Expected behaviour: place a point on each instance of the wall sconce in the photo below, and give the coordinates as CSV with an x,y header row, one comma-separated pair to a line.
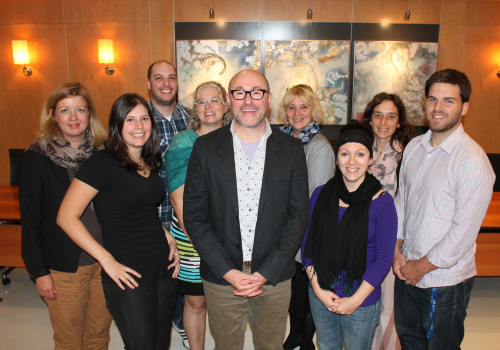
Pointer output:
x,y
211,13
407,14
21,55
106,55
310,11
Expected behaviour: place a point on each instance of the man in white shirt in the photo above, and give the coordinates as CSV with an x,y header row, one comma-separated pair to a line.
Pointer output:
x,y
246,209
446,183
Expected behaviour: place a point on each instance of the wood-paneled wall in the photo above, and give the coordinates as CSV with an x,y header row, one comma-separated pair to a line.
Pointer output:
x,y
63,36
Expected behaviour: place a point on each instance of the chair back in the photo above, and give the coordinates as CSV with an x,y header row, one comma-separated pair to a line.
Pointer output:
x,y
495,163
16,163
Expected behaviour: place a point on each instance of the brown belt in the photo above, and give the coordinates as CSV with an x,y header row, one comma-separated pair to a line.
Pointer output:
x,y
247,264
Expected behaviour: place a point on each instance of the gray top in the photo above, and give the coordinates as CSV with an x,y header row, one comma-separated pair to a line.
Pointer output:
x,y
320,161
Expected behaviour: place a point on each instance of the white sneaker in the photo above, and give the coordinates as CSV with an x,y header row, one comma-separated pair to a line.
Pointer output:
x,y
183,335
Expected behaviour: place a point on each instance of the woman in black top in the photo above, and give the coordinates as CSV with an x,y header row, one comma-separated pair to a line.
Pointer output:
x,y
125,188
67,278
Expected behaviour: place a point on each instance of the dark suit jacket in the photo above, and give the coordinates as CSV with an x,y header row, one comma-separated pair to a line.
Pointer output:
x,y
44,245
211,207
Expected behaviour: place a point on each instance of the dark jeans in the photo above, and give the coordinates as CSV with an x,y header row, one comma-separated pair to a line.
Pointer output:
x,y
412,311
144,314
179,310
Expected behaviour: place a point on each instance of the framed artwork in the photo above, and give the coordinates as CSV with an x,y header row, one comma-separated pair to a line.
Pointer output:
x,y
394,67
199,61
322,64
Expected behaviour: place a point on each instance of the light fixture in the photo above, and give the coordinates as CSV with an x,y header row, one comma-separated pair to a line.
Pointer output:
x,y
21,55
310,11
407,14
106,55
211,13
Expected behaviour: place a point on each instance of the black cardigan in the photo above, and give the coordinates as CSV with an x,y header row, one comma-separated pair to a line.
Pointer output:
x,y
44,245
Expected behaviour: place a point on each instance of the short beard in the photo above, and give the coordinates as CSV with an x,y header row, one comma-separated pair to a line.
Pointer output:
x,y
163,103
253,126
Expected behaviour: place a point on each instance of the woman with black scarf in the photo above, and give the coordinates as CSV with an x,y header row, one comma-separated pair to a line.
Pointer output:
x,y
349,246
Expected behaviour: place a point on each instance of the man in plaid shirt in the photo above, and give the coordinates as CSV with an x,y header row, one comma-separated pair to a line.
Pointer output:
x,y
170,118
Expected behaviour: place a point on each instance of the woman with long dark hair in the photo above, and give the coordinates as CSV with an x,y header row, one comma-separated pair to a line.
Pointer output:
x,y
386,115
139,257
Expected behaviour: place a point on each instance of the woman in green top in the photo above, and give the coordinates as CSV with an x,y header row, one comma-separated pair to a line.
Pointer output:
x,y
210,112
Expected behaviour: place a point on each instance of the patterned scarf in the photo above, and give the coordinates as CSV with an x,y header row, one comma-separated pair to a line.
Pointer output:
x,y
305,135
61,153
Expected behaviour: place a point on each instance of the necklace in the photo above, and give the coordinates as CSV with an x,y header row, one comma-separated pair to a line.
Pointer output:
x,y
142,166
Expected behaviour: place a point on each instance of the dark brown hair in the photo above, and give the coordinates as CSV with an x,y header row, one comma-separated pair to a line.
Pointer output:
x,y
453,77
151,152
405,132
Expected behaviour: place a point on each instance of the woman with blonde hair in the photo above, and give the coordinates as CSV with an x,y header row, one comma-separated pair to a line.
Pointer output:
x,y
66,277
303,110
210,112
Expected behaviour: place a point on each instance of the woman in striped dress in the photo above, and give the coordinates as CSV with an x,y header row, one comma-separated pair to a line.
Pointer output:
x,y
208,113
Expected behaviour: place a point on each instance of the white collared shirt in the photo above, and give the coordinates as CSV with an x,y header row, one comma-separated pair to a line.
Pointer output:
x,y
442,200
249,175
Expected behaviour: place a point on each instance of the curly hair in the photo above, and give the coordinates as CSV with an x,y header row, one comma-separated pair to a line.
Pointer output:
x,y
405,132
194,120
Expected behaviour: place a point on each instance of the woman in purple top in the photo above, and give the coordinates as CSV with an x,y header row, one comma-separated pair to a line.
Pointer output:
x,y
349,246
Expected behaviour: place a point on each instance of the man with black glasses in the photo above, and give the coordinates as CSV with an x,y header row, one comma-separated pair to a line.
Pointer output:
x,y
246,209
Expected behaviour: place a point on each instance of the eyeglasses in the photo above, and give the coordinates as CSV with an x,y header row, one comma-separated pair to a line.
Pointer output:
x,y
302,86
255,94
212,101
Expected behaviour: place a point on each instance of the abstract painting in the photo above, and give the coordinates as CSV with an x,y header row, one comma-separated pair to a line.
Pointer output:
x,y
199,61
400,68
322,64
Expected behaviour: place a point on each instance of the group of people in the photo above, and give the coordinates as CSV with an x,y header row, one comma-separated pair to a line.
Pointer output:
x,y
249,220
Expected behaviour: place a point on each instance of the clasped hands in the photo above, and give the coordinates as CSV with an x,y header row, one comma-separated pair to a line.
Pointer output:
x,y
245,285
411,271
336,304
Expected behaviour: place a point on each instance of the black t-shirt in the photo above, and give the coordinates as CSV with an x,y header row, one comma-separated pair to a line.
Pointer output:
x,y
126,207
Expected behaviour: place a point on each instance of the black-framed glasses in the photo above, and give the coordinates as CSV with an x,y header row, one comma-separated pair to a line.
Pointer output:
x,y
212,101
256,94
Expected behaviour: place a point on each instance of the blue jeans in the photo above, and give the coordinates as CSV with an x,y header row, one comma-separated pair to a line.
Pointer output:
x,y
355,330
412,311
144,314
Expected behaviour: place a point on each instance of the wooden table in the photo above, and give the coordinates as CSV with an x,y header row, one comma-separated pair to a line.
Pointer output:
x,y
9,204
488,241
492,220
10,232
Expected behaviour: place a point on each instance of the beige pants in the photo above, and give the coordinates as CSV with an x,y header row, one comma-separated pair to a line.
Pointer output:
x,y
267,314
79,316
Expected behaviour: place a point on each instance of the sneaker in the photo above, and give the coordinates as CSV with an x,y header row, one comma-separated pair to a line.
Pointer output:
x,y
183,335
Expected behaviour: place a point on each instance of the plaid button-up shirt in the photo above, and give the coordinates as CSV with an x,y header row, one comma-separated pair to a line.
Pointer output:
x,y
166,130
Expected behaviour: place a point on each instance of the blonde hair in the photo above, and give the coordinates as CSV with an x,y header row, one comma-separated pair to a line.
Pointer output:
x,y
194,121
49,127
306,94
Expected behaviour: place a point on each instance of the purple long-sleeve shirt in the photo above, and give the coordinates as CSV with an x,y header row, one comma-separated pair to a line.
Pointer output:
x,y
382,230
